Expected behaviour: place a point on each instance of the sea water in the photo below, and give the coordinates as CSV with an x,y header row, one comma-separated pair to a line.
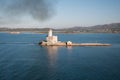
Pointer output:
x,y
21,58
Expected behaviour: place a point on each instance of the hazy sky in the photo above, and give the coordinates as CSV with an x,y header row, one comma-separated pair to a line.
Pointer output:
x,y
65,13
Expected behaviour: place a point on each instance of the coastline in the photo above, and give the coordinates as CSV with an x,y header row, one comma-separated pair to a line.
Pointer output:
x,y
59,32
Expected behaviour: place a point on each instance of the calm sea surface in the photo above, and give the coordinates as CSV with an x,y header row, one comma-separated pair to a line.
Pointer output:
x,y
21,58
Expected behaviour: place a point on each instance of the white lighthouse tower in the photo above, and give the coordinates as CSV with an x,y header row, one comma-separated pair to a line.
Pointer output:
x,y
50,32
50,38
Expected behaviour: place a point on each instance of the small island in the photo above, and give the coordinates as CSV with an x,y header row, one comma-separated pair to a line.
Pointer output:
x,y
52,40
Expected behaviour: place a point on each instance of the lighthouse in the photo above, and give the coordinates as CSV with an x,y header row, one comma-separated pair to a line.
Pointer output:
x,y
50,38
50,32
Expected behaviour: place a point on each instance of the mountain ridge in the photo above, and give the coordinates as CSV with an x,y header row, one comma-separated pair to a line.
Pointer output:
x,y
105,28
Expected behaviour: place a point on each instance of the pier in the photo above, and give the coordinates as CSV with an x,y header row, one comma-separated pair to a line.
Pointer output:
x,y
75,44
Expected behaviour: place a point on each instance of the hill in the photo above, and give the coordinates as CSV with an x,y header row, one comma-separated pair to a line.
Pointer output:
x,y
106,28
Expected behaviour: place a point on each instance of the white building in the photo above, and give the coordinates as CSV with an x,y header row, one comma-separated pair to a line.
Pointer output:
x,y
50,32
69,43
50,38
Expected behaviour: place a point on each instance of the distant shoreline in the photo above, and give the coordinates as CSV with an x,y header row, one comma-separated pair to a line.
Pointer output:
x,y
106,28
27,32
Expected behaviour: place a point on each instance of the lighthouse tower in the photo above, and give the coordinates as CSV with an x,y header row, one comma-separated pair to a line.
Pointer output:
x,y
50,38
50,32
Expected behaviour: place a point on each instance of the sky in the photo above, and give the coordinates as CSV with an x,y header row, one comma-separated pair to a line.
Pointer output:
x,y
65,13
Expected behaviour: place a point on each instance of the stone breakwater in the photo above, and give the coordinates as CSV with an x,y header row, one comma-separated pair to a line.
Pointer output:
x,y
73,44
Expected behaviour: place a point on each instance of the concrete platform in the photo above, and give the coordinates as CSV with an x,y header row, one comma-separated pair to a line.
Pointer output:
x,y
91,44
73,44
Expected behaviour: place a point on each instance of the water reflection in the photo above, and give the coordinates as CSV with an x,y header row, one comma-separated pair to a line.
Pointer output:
x,y
69,49
52,54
